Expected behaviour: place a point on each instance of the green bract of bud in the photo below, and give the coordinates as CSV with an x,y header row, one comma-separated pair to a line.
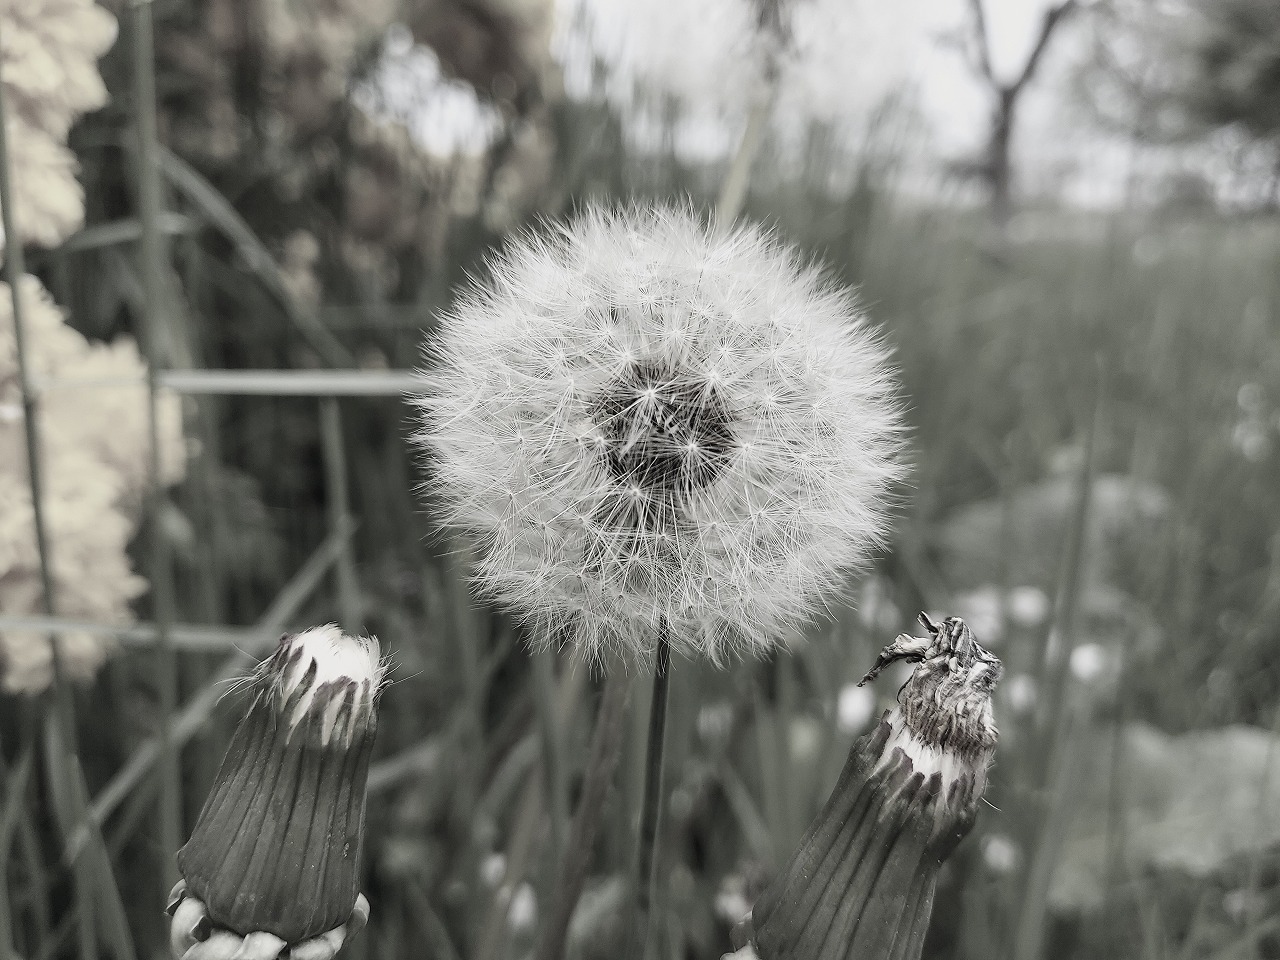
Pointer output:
x,y
861,885
277,846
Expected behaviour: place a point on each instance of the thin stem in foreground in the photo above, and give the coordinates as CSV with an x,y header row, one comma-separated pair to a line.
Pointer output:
x,y
651,812
606,744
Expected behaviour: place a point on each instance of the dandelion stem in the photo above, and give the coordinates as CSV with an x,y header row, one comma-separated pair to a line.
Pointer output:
x,y
606,744
544,692
651,812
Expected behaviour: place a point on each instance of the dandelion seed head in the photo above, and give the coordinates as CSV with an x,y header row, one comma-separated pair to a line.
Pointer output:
x,y
713,450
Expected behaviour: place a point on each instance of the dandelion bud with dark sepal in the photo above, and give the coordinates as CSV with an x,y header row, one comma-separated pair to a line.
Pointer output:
x,y
861,885
277,845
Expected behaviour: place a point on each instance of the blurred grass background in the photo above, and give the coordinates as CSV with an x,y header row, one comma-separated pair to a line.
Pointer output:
x,y
1096,488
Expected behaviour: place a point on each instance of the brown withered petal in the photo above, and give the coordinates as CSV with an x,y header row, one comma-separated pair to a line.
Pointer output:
x,y
861,884
277,846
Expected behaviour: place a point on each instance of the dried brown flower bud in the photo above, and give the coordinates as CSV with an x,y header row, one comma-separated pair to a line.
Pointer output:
x,y
277,845
861,884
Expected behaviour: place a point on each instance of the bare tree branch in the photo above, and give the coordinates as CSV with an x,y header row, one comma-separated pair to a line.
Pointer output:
x,y
997,167
1052,17
982,40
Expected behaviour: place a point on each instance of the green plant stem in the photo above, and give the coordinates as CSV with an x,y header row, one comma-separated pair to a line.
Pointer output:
x,y
606,743
544,696
1059,728
337,503
497,924
154,257
651,811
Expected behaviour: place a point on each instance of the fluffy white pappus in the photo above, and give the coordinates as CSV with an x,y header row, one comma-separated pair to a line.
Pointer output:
x,y
647,425
337,659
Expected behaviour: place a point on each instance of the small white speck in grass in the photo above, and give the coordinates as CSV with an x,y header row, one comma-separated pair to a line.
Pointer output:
x,y
492,869
1028,606
523,913
1088,662
1000,854
1020,691
854,708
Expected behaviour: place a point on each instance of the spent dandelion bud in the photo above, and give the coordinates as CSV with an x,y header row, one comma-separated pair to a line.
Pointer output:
x,y
276,849
862,882
652,428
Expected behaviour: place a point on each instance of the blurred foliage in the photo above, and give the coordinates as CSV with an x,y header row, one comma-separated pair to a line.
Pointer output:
x,y
1239,66
308,229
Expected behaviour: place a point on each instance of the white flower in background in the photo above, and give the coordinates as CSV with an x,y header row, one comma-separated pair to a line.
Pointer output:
x,y
1000,854
49,53
523,912
647,425
1021,692
94,455
854,708
1088,662
715,722
1028,606
731,903
95,442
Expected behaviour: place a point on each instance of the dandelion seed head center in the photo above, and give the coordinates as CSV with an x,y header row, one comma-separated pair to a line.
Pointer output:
x,y
664,431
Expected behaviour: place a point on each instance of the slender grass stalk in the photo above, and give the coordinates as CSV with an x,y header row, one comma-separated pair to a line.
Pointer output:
x,y
6,929
153,258
220,214
31,856
557,790
1256,911
497,926
429,923
606,743
15,790
733,191
651,811
1058,727
338,508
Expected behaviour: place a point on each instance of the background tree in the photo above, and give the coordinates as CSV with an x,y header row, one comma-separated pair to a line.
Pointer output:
x,y
1237,73
996,167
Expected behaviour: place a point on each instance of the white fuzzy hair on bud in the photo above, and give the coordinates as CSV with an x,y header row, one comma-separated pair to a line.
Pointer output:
x,y
648,426
325,659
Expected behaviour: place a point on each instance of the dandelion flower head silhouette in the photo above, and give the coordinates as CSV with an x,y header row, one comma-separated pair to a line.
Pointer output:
x,y
647,424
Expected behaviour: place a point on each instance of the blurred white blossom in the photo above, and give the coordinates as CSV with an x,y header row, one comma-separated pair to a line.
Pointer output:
x,y
854,708
1000,854
1028,606
523,912
48,63
804,737
648,424
95,454
715,722
1088,661
1020,690
95,443
732,905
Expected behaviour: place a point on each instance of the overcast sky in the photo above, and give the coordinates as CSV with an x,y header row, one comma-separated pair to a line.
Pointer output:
x,y
848,55
847,58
